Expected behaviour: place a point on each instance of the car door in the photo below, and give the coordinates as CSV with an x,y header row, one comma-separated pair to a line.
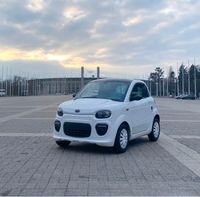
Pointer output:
x,y
148,107
139,108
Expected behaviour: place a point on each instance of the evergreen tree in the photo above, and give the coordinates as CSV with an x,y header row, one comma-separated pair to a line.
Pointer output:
x,y
155,77
182,77
171,82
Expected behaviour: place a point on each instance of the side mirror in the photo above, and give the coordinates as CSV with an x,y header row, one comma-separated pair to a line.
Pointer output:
x,y
74,95
135,98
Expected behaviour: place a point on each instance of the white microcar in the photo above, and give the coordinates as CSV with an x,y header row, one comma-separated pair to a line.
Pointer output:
x,y
108,112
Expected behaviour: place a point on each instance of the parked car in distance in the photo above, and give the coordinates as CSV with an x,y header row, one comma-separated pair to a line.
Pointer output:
x,y
2,92
108,112
188,97
178,97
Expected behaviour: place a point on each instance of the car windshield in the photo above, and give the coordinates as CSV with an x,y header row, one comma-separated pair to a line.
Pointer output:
x,y
105,89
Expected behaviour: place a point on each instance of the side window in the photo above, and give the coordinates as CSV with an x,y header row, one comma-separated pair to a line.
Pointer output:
x,y
145,92
139,92
136,93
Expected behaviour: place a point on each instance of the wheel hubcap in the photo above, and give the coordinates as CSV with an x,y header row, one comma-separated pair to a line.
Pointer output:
x,y
156,129
123,138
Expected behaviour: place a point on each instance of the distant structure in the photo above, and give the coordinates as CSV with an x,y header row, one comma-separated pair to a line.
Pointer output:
x,y
82,76
53,86
98,72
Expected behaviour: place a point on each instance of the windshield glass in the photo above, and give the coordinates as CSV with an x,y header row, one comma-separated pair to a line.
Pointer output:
x,y
105,89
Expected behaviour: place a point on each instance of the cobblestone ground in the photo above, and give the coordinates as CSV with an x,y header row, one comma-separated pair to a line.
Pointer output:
x,y
31,164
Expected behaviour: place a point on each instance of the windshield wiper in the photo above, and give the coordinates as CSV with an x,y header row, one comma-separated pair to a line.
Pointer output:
x,y
116,100
89,97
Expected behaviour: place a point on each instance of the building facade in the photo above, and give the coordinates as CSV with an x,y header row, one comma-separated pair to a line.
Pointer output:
x,y
53,86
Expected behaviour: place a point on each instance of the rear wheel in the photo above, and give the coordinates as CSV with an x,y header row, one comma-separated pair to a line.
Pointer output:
x,y
63,143
122,139
155,132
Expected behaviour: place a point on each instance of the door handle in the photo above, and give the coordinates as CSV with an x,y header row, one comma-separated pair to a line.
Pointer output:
x,y
151,108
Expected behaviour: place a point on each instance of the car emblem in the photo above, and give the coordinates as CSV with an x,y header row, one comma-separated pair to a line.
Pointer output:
x,y
77,110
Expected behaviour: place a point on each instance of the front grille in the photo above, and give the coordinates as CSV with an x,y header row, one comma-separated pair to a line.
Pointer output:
x,y
77,129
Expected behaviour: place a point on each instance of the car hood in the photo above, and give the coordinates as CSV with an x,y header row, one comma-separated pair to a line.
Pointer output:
x,y
88,106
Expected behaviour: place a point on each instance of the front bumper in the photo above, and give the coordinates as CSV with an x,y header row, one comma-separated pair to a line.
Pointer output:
x,y
104,140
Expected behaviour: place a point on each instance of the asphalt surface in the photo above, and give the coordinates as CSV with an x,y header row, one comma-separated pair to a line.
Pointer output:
x,y
31,164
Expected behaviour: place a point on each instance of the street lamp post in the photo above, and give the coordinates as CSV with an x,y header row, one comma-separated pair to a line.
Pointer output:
x,y
167,87
195,79
150,85
157,88
183,89
195,82
188,79
163,86
2,68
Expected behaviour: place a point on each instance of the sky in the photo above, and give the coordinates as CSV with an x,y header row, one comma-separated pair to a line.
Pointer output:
x,y
127,38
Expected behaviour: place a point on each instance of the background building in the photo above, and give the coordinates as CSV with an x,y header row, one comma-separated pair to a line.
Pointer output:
x,y
52,86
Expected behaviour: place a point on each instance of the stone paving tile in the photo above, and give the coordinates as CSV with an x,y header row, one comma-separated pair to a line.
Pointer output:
x,y
76,192
182,116
36,166
180,128
42,114
27,126
31,192
5,113
98,192
54,192
191,143
173,105
45,168
32,101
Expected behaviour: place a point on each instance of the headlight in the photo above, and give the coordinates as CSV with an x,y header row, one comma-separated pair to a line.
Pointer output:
x,y
103,114
60,112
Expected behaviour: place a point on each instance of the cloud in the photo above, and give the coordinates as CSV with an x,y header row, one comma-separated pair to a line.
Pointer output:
x,y
37,69
74,13
36,5
112,34
133,21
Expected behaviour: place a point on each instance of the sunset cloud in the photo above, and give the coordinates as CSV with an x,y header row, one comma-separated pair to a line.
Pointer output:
x,y
126,36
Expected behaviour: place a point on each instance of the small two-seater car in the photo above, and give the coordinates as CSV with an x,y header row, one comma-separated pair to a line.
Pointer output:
x,y
108,112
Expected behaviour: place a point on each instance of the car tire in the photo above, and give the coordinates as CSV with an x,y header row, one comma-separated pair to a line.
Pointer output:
x,y
63,143
122,139
155,132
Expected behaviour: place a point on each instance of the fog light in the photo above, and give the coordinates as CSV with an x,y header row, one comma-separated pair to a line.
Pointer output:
x,y
101,129
57,125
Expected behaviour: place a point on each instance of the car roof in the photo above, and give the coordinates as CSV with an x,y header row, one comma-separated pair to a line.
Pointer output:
x,y
120,80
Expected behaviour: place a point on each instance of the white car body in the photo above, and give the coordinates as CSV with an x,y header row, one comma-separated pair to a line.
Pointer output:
x,y
138,115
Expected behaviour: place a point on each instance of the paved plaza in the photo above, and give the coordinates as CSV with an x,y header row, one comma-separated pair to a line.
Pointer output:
x,y
31,164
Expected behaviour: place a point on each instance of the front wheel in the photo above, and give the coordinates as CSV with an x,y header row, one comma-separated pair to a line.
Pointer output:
x,y
122,139
63,143
155,132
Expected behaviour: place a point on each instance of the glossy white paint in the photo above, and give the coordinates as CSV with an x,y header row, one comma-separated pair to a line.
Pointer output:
x,y
138,114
